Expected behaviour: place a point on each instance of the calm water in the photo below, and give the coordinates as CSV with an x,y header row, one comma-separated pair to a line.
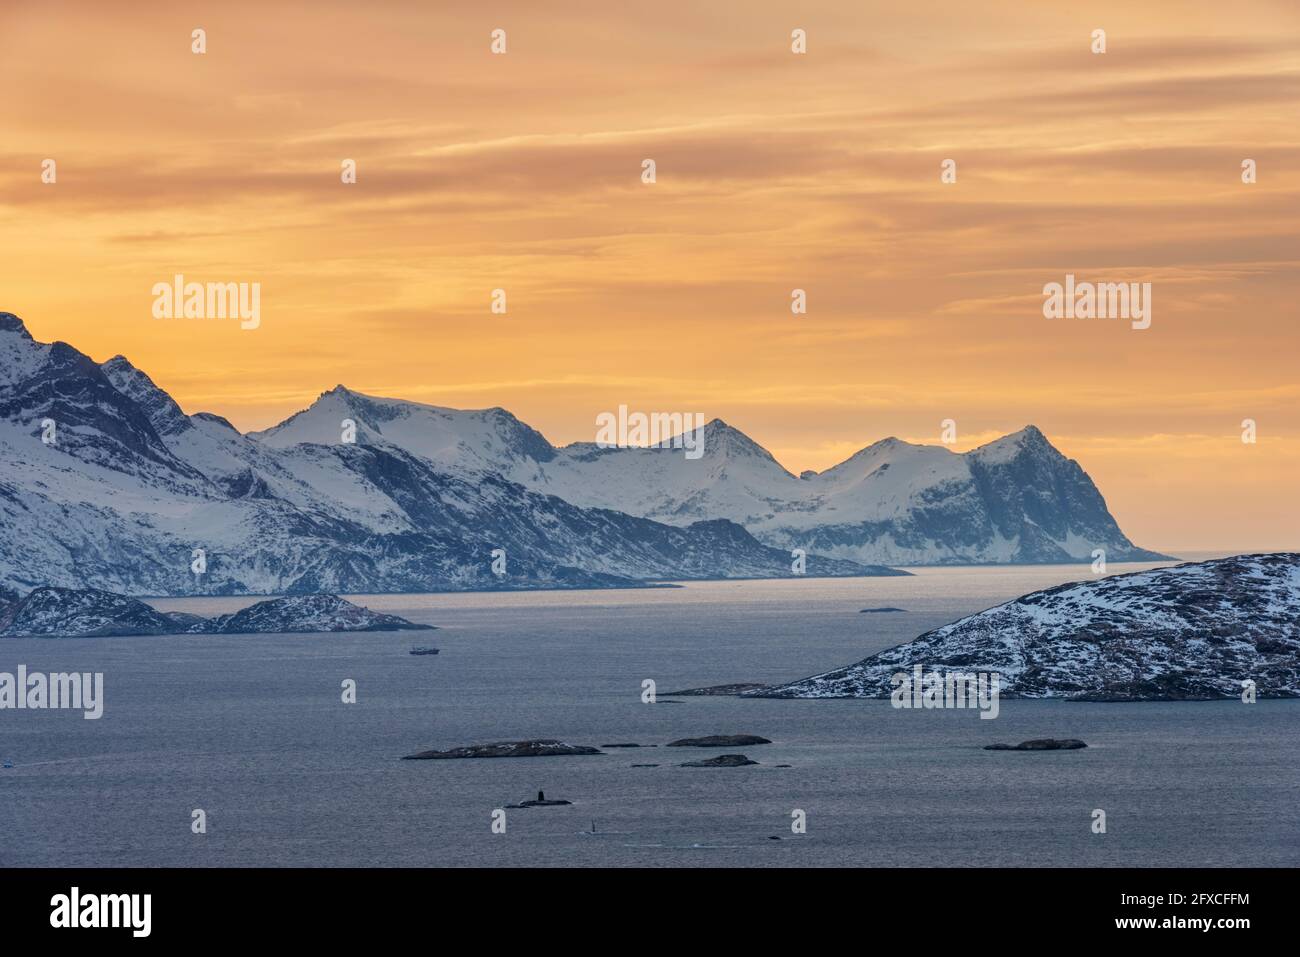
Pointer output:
x,y
252,730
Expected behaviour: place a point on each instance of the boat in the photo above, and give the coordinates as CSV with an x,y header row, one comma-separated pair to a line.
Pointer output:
x,y
424,651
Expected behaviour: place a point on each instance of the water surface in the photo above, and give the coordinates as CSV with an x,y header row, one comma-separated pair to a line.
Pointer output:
x,y
252,730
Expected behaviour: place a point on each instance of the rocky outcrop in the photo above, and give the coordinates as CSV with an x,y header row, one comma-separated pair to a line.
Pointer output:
x,y
721,761
542,748
719,741
541,801
1040,744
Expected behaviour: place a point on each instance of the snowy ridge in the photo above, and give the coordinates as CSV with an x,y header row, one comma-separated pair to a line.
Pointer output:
x,y
1014,500
1193,631
132,486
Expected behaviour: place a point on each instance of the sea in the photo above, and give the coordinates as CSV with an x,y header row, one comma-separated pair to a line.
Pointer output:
x,y
254,732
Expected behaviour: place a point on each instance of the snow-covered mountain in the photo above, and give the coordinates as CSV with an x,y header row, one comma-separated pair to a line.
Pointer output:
x,y
485,440
128,489
1188,632
1014,500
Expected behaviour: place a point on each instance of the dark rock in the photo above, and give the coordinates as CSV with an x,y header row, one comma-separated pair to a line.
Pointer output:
x,y
541,801
721,761
1040,744
879,611
506,749
424,651
645,765
719,741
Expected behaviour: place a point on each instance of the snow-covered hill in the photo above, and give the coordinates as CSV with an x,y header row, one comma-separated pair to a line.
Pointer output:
x,y
131,488
1014,500
91,613
1191,631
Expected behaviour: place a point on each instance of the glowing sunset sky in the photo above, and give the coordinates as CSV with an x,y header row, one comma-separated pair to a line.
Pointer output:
x,y
775,171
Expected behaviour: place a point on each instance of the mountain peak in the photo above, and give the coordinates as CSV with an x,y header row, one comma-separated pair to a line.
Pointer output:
x,y
161,409
721,438
11,323
1030,433
893,442
1030,438
20,355
881,446
720,429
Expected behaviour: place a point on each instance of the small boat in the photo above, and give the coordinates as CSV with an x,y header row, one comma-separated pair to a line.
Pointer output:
x,y
424,651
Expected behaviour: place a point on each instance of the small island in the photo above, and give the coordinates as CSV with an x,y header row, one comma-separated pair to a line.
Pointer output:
x,y
540,748
50,612
719,741
721,761
1040,744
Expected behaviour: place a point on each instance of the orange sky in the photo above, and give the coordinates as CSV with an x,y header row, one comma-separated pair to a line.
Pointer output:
x,y
775,171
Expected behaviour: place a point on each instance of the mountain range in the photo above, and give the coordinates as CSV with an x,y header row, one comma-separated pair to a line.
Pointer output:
x,y
107,483
1016,500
